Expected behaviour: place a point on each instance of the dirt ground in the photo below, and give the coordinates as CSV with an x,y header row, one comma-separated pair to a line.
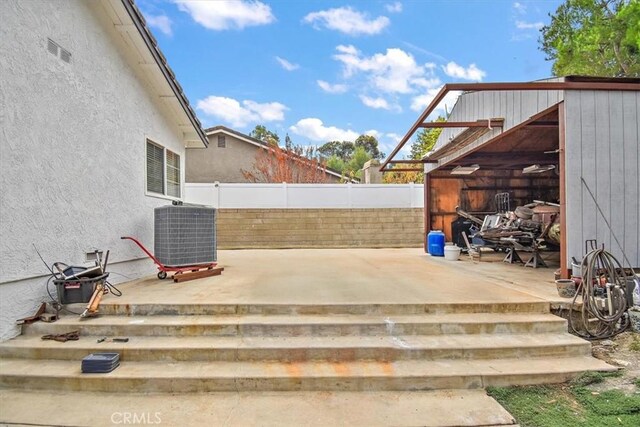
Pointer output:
x,y
624,351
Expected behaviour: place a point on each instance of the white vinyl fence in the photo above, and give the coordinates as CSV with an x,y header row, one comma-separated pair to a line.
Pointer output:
x,y
282,196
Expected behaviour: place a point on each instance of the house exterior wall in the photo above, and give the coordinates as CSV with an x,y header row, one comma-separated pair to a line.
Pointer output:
x,y
216,164
211,164
602,147
514,107
72,149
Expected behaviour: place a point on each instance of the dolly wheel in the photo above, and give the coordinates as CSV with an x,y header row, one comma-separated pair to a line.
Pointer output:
x,y
162,275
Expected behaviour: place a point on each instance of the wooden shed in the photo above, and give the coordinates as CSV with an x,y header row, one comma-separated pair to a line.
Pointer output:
x,y
583,134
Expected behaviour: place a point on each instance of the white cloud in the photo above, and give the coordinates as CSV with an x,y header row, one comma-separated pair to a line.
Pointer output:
x,y
420,102
470,73
332,88
520,8
227,14
240,115
160,22
522,25
374,133
394,137
395,7
313,129
286,64
375,103
394,71
347,20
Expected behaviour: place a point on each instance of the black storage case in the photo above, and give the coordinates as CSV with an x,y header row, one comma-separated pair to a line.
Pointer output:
x,y
72,291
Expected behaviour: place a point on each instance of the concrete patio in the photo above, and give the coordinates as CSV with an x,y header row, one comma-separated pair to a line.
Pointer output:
x,y
349,276
304,337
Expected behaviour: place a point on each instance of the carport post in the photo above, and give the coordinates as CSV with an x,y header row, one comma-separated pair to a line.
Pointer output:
x,y
564,270
427,207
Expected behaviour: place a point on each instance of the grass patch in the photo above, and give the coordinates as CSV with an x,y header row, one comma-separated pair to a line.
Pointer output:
x,y
637,382
635,344
570,405
589,378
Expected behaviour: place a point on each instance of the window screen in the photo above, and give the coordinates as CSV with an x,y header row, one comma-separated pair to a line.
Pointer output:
x,y
173,174
155,168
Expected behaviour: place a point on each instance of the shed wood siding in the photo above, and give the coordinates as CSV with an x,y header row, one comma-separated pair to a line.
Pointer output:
x,y
514,106
602,146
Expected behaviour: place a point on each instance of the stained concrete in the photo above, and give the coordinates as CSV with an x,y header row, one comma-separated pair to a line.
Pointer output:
x,y
440,408
347,276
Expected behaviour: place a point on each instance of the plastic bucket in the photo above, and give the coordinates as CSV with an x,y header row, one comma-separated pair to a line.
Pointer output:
x,y
566,288
451,253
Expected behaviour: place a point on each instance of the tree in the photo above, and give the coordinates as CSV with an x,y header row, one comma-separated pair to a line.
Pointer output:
x,y
265,135
594,37
353,168
425,141
336,163
292,164
340,149
370,145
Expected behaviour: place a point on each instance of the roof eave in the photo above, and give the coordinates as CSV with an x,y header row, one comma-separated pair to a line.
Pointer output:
x,y
140,24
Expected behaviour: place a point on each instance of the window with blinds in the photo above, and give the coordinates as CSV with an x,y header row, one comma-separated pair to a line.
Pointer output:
x,y
155,168
163,171
173,174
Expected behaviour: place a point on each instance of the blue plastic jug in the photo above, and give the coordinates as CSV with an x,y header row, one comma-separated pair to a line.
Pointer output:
x,y
435,243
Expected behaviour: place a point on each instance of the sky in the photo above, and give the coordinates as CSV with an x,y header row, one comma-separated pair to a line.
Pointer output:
x,y
332,70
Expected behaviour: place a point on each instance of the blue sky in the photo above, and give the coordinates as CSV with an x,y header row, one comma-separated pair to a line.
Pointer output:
x,y
332,70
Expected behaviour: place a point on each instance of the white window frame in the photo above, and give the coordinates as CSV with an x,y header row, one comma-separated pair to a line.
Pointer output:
x,y
164,194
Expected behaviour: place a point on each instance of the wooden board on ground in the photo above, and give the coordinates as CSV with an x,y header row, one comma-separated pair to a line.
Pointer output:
x,y
183,277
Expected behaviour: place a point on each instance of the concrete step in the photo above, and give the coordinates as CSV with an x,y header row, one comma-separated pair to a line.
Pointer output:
x,y
442,408
306,348
317,325
161,377
113,307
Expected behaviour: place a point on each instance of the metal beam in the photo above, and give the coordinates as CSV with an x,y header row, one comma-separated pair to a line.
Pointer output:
x,y
565,85
478,124
402,170
543,124
405,161
412,161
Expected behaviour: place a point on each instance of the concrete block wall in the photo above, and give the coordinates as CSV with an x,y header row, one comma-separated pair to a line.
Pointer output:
x,y
320,228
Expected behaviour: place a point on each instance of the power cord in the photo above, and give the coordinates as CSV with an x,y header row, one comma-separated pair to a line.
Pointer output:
x,y
603,295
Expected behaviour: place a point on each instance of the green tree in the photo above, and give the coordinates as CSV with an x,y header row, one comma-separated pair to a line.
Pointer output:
x,y
340,149
336,163
265,135
425,141
594,37
370,145
357,161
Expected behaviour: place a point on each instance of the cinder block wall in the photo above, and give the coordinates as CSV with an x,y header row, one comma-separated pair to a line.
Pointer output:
x,y
320,228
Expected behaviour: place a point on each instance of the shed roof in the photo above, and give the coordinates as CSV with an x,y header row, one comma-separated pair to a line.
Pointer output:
x,y
555,85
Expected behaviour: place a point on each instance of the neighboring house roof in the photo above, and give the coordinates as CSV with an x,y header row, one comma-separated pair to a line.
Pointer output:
x,y
192,132
258,143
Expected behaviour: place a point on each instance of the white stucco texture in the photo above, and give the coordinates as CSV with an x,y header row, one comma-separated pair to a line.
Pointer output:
x,y
72,148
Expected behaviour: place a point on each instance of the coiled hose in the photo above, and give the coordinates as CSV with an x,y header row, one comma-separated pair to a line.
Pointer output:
x,y
604,316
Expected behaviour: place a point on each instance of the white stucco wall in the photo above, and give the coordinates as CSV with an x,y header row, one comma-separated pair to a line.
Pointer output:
x,y
72,149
